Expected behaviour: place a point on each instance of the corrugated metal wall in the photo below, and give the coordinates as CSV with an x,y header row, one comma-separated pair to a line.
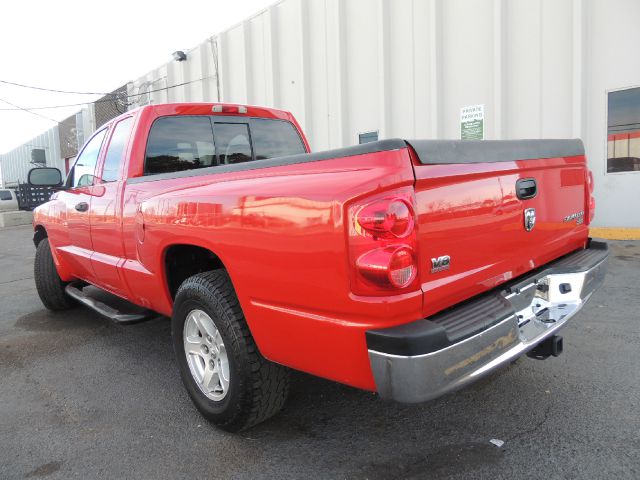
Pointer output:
x,y
196,79
401,67
17,163
64,140
405,68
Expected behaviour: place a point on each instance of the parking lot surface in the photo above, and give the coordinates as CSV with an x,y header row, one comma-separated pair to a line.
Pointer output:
x,y
81,397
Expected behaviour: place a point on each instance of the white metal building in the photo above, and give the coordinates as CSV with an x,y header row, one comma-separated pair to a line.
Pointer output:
x,y
405,68
16,164
359,69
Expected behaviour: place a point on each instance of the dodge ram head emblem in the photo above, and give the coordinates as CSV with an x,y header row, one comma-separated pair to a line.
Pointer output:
x,y
529,219
440,263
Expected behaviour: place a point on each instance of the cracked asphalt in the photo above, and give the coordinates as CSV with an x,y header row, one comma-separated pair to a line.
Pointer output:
x,y
81,397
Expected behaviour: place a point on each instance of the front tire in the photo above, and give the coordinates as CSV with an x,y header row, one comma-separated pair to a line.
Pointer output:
x,y
49,285
227,378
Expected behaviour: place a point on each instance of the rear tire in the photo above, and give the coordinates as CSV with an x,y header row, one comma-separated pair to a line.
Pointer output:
x,y
48,283
237,391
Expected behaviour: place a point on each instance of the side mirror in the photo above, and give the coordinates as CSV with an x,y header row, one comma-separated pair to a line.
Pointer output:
x,y
44,177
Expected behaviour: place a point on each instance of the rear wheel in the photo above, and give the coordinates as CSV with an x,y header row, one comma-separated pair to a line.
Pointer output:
x,y
49,285
227,378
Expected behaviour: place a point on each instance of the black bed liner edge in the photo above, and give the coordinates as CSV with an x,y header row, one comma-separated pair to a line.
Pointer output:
x,y
429,152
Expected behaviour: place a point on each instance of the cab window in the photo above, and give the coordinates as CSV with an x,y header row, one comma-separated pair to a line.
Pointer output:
x,y
83,172
275,138
233,143
183,142
113,157
179,143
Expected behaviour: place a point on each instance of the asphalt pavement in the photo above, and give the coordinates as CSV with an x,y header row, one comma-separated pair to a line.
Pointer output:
x,y
81,397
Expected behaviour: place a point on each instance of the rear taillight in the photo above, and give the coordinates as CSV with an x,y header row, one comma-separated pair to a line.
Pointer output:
x,y
392,266
383,243
388,218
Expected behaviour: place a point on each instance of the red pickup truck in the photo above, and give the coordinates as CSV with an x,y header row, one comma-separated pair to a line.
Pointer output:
x,y
408,268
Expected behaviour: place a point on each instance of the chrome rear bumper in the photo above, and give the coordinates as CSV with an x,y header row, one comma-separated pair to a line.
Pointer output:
x,y
419,361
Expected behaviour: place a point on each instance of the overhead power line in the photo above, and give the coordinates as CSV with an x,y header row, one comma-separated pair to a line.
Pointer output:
x,y
17,107
15,84
114,97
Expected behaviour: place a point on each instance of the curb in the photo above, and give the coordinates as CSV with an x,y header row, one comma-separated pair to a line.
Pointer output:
x,y
615,233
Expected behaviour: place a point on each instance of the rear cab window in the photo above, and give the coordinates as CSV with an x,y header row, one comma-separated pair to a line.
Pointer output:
x,y
275,138
184,142
179,143
233,143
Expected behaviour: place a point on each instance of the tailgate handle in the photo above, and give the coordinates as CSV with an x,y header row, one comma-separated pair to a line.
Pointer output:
x,y
526,188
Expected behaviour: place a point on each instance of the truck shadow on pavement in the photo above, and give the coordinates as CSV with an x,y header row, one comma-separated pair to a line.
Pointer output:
x,y
325,426
46,321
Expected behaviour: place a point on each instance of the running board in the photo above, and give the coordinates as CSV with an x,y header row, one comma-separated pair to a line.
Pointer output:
x,y
106,310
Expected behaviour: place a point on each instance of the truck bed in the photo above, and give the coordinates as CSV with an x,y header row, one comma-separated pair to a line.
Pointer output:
x,y
467,206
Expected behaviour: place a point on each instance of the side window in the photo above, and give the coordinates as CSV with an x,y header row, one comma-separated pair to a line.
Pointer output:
x,y
275,138
84,169
233,144
5,195
113,157
179,143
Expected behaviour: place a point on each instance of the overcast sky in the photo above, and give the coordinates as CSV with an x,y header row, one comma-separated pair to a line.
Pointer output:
x,y
96,47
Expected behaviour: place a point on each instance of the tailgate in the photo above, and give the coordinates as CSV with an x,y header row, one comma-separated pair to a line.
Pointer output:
x,y
489,211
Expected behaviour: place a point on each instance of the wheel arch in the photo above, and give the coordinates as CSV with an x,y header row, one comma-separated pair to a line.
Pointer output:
x,y
39,234
182,260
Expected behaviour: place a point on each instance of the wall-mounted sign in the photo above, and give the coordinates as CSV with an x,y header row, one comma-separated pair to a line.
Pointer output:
x,y
472,122
367,137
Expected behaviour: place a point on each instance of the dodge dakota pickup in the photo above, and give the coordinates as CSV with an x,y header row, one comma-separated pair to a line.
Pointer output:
x,y
405,267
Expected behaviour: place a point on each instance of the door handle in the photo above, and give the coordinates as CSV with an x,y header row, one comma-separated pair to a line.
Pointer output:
x,y
526,188
82,206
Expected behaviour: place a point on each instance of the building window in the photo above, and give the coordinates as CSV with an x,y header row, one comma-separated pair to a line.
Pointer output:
x,y
623,131
367,137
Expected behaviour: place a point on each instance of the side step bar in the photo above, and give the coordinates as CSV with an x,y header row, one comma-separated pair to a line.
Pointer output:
x,y
103,309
